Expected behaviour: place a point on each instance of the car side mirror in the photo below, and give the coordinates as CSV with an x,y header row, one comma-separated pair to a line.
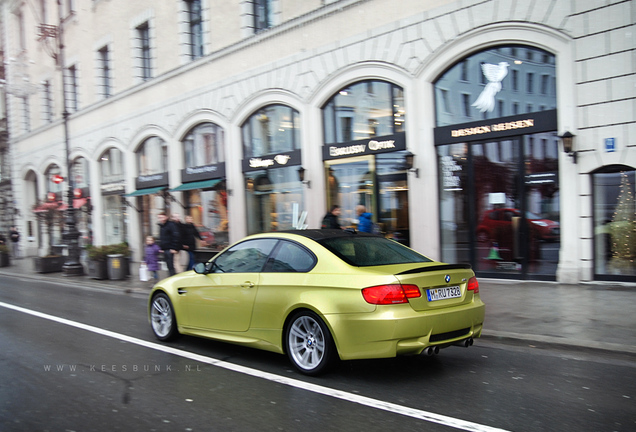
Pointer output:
x,y
199,268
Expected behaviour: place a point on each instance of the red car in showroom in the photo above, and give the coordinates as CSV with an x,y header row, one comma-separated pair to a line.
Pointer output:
x,y
500,221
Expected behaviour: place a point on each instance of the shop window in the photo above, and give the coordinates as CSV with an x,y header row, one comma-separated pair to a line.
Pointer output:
x,y
52,186
272,129
80,173
204,145
274,199
112,166
152,156
614,223
364,110
497,66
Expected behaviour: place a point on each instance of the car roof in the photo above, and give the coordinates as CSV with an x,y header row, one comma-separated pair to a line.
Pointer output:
x,y
322,234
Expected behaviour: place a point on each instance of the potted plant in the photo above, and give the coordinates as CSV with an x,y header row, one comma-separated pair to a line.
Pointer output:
x,y
4,255
97,265
50,214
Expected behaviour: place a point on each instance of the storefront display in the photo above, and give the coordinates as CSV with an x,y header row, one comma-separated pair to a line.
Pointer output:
x,y
614,223
498,174
365,156
274,191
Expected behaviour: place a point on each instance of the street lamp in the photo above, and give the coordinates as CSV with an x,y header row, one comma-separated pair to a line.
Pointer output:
x,y
72,265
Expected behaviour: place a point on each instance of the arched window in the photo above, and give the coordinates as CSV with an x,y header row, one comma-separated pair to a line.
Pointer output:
x,y
274,193
363,110
52,186
496,124
112,166
204,145
272,129
152,156
497,82
80,173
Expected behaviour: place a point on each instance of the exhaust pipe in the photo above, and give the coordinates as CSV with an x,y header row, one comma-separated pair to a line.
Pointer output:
x,y
432,350
464,343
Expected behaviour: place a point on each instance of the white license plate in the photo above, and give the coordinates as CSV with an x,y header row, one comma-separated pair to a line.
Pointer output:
x,y
443,293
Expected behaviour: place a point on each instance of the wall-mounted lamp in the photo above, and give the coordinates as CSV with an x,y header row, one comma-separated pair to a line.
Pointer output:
x,y
301,177
568,144
408,162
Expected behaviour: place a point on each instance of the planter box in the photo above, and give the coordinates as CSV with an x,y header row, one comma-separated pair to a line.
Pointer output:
x,y
97,269
48,264
4,260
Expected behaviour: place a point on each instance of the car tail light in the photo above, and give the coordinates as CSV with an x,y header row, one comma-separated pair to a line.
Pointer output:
x,y
390,294
473,284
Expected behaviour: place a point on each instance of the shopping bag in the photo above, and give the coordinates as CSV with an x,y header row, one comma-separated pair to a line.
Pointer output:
x,y
164,266
143,272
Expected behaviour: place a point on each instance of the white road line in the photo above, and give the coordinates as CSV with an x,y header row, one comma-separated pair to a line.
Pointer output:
x,y
338,394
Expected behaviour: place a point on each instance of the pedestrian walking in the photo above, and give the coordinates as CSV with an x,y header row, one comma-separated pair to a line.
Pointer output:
x,y
330,221
178,257
151,257
189,234
169,240
14,236
365,224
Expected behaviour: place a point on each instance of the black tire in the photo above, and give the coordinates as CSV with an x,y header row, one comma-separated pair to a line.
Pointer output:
x,y
309,344
162,318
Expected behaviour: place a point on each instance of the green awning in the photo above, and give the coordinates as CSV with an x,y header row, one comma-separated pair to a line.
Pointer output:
x,y
204,184
147,191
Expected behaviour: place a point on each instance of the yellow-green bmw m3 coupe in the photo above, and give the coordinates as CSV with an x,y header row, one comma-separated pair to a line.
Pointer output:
x,y
320,295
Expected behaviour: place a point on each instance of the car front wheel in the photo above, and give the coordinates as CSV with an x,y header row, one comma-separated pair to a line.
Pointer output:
x,y
162,319
309,344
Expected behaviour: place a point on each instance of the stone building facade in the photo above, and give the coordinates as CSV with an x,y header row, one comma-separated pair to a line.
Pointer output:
x,y
443,118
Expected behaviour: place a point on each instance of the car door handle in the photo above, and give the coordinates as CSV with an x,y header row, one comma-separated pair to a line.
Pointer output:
x,y
247,284
182,291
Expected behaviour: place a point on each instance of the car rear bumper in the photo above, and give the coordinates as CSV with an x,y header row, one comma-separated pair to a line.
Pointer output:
x,y
399,330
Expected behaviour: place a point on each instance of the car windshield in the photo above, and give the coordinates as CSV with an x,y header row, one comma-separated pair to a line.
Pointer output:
x,y
371,251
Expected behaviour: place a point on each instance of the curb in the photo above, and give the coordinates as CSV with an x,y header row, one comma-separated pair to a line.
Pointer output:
x,y
502,336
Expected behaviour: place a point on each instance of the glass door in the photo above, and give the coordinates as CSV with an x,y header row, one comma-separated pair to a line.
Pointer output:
x,y
499,225
351,182
499,206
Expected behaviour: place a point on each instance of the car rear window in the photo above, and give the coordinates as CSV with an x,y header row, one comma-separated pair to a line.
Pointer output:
x,y
363,251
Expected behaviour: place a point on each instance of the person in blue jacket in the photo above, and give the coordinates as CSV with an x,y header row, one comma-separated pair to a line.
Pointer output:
x,y
365,223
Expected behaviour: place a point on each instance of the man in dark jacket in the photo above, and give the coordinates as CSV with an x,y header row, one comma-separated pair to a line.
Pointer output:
x,y
169,240
189,234
330,221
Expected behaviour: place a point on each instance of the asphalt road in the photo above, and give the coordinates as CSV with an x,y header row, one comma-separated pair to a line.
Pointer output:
x,y
85,359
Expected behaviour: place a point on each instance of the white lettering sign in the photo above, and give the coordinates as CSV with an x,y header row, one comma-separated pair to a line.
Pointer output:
x,y
200,170
379,145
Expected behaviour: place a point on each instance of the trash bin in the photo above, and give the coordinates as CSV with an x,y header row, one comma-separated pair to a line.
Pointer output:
x,y
116,268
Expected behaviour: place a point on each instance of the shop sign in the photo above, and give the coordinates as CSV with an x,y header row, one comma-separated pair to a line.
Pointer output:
x,y
450,174
113,189
205,172
542,121
385,144
152,180
277,160
540,179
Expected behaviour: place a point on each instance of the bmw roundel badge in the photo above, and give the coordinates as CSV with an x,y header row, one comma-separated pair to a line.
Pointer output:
x,y
447,278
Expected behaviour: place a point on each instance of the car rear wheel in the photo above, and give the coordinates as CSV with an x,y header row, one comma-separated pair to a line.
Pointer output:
x,y
162,319
309,344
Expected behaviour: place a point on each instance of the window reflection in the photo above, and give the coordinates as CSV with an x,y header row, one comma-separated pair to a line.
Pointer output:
x,y
152,156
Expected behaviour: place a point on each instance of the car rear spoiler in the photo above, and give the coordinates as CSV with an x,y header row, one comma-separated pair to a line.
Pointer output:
x,y
436,268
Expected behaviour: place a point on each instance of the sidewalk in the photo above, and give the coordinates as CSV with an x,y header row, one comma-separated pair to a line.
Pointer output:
x,y
597,315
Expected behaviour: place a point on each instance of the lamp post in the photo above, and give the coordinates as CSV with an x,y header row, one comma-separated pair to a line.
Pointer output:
x,y
72,265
